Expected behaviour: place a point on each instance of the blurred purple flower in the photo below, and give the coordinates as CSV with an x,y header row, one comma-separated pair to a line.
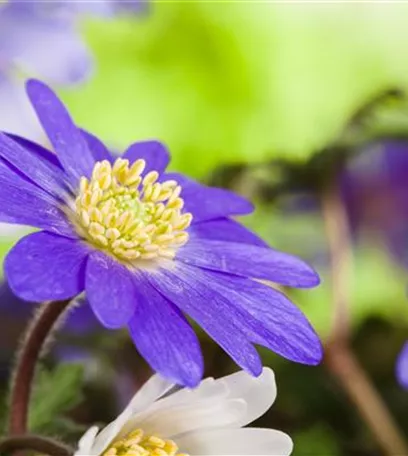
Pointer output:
x,y
375,192
402,366
107,8
41,38
147,247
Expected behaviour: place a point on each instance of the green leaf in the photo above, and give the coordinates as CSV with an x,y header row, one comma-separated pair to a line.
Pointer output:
x,y
317,440
56,392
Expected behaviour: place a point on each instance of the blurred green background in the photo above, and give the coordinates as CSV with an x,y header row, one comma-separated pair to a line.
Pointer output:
x,y
232,88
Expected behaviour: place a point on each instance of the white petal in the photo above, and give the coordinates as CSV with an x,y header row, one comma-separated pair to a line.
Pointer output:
x,y
107,435
180,419
208,389
235,442
86,441
258,392
230,402
154,388
150,392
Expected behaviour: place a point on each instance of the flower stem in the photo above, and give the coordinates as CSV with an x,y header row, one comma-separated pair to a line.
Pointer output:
x,y
43,445
339,356
30,352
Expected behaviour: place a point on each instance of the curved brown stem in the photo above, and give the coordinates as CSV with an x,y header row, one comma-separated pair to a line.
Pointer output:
x,y
341,260
43,445
339,356
32,345
343,364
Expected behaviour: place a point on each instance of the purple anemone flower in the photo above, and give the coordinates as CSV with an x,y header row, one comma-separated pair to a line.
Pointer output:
x,y
41,38
402,366
148,248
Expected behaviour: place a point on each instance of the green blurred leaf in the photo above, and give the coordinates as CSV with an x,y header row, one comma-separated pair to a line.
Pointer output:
x,y
5,246
316,441
236,81
56,392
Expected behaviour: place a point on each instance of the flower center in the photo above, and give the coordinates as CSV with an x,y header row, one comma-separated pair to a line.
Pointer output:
x,y
139,444
130,215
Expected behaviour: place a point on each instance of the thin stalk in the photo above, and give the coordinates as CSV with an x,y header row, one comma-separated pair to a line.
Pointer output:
x,y
339,356
43,445
32,346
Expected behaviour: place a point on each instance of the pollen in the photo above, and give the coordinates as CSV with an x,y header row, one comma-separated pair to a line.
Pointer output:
x,y
137,443
130,214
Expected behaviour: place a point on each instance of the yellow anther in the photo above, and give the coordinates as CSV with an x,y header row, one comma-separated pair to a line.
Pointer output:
x,y
158,452
95,214
86,199
131,254
175,194
156,441
156,190
169,185
85,219
96,196
170,448
96,169
124,218
101,240
136,433
164,238
119,165
164,195
178,203
110,219
150,178
159,209
167,214
181,238
83,184
112,234
135,171
149,228
131,216
133,442
95,229
105,181
138,444
148,190
184,221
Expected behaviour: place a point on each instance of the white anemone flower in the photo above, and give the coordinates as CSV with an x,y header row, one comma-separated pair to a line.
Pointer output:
x,y
207,420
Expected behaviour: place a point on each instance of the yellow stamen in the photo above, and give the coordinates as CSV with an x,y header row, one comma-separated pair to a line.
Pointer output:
x,y
131,216
138,444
